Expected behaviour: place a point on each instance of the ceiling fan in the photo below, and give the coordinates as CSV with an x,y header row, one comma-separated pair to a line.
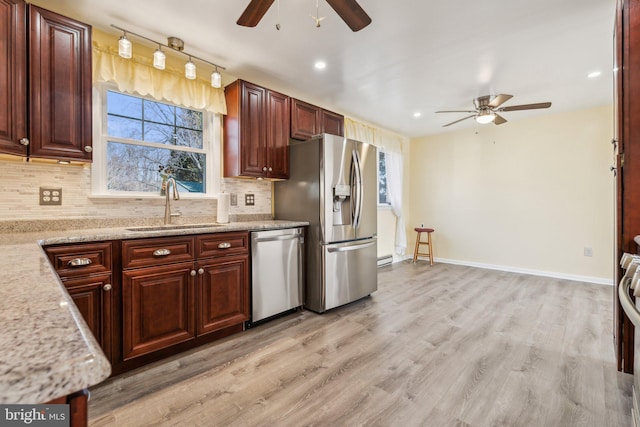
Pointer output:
x,y
487,108
349,10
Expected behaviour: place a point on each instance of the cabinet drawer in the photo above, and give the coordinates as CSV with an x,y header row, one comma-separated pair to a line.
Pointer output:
x,y
80,260
150,252
221,244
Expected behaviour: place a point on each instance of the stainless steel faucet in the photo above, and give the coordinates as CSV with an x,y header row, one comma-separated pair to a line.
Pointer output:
x,y
167,203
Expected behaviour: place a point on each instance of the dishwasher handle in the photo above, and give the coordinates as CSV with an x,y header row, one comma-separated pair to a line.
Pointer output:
x,y
277,238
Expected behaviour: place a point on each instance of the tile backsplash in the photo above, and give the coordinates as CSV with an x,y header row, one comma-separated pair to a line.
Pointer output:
x,y
21,181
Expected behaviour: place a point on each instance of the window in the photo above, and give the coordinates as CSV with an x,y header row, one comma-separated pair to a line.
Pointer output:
x,y
143,142
382,179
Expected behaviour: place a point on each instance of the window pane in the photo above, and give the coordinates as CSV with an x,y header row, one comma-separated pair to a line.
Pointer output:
x,y
189,138
382,179
159,113
124,128
188,118
136,168
162,134
124,105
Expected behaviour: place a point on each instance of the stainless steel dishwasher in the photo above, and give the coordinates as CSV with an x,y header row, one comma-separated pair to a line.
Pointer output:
x,y
277,272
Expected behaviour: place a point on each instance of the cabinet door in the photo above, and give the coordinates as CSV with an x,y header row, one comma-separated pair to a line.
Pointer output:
x,y
332,123
13,77
93,297
158,306
252,130
277,135
305,119
223,293
60,86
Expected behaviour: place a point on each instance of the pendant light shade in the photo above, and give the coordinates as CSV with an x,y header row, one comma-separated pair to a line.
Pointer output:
x,y
216,79
159,59
124,47
190,70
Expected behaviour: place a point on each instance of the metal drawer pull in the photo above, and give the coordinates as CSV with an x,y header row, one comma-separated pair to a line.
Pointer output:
x,y
79,262
225,245
192,272
161,252
107,287
201,271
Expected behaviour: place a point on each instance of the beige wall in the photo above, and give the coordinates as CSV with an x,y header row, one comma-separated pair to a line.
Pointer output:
x,y
527,196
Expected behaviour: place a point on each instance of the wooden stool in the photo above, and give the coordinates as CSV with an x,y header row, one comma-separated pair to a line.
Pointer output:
x,y
428,243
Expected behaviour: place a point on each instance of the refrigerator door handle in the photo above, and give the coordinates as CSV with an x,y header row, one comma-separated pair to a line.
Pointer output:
x,y
356,188
351,248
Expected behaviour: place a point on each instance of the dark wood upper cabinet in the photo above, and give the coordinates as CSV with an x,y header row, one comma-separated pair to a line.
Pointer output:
x,y
332,123
256,132
308,120
13,77
305,120
55,84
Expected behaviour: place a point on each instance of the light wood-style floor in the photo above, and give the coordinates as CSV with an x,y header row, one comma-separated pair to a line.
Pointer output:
x,y
439,345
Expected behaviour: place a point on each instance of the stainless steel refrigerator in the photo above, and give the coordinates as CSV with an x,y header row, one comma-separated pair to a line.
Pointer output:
x,y
333,185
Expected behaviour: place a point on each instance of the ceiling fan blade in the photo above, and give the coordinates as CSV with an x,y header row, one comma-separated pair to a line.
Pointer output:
x,y
453,123
526,107
499,120
456,111
499,100
254,12
351,13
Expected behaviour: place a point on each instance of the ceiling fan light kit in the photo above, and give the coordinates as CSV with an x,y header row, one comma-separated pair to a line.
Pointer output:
x,y
487,108
349,10
159,57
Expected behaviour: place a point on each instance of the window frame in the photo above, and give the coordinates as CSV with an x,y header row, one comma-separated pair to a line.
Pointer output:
x,y
386,204
211,146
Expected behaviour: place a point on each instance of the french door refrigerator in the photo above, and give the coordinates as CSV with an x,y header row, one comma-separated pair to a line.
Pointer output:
x,y
333,186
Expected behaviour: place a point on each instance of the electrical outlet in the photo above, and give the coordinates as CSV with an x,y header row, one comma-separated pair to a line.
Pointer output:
x,y
50,196
588,252
233,199
249,199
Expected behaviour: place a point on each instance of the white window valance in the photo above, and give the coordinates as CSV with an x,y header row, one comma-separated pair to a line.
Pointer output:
x,y
135,75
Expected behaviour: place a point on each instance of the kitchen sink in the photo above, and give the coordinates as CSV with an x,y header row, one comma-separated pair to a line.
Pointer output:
x,y
173,227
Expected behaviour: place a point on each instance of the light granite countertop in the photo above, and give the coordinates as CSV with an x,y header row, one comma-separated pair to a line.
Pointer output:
x,y
48,350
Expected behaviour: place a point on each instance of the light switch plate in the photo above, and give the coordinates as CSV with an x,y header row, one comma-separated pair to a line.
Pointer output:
x,y
249,199
233,199
50,196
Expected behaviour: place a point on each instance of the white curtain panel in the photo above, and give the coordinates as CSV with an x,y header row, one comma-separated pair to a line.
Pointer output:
x,y
394,187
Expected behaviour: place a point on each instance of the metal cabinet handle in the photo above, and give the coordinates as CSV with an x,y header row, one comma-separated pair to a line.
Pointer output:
x,y
270,169
201,271
24,141
161,252
88,148
79,262
107,287
193,272
225,245
264,169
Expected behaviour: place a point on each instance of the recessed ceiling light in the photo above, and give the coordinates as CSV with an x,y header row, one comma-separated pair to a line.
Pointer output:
x,y
417,114
594,74
320,65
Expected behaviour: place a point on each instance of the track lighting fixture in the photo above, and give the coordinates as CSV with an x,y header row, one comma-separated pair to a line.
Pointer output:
x,y
159,56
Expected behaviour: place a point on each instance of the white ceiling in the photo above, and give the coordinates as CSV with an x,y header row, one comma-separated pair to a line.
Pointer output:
x,y
416,56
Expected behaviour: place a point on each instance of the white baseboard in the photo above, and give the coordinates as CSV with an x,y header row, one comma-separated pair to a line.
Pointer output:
x,y
555,275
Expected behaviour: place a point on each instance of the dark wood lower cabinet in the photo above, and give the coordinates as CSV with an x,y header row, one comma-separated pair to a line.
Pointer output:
x,y
94,298
223,293
158,305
